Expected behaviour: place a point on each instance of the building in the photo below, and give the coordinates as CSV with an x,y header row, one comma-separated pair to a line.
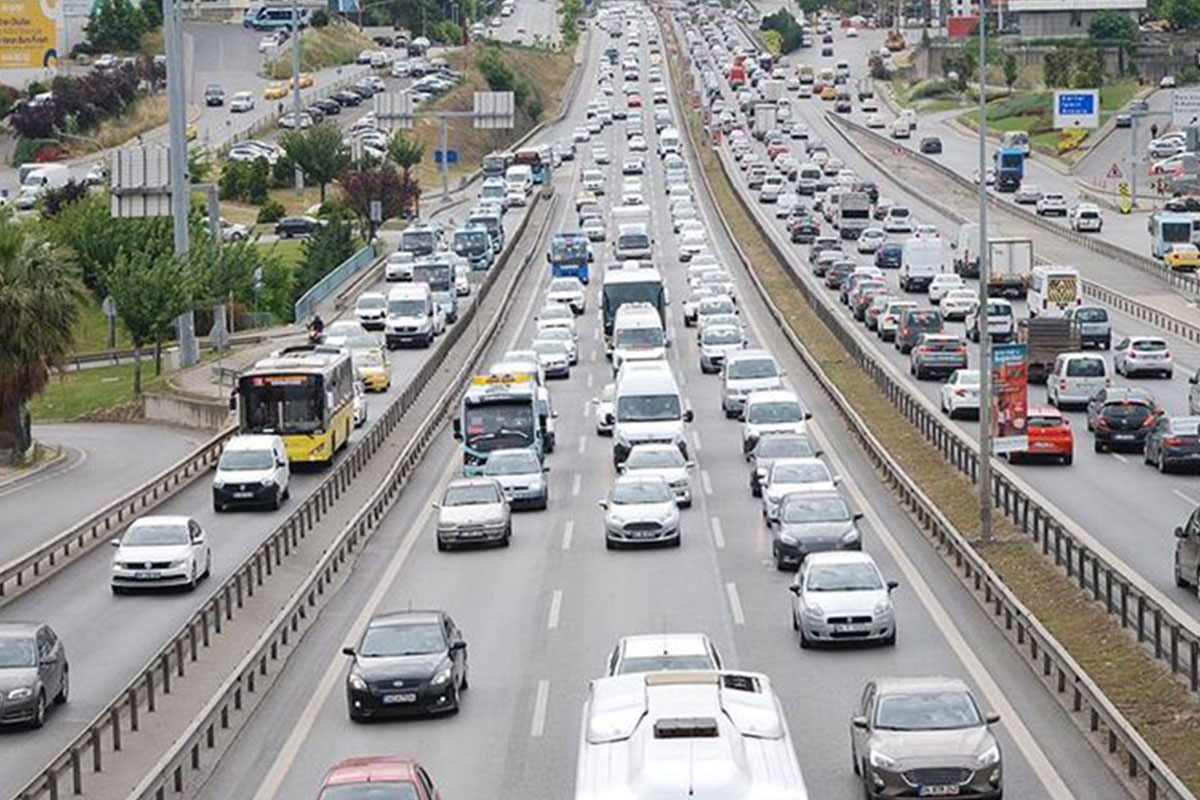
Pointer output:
x,y
1038,18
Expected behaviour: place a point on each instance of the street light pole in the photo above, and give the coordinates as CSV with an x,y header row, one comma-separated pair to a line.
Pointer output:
x,y
985,334
185,324
296,84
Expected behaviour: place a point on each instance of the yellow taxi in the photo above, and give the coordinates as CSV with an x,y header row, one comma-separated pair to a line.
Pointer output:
x,y
306,80
1183,258
191,131
275,91
371,365
829,93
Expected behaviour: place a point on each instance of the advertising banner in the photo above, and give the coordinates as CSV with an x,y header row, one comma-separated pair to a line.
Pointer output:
x,y
1009,398
28,34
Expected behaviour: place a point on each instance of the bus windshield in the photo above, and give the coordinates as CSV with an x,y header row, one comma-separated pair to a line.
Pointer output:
x,y
1177,231
497,426
470,242
282,404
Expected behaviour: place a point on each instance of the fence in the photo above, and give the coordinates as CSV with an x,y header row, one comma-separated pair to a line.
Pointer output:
x,y
329,284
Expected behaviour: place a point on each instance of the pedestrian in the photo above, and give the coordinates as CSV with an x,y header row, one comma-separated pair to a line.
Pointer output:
x,y
1154,130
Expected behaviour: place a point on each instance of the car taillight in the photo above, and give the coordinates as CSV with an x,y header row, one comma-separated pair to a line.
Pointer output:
x,y
1131,354
960,392
1101,422
1171,440
905,331
1062,383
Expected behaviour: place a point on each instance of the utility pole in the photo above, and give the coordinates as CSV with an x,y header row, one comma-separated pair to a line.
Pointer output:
x,y
296,84
985,334
189,351
1133,159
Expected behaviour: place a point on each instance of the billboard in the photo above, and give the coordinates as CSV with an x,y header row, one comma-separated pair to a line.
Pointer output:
x,y
1009,398
29,33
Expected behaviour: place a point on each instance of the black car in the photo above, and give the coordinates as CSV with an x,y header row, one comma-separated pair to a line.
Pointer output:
x,y
804,230
771,446
316,113
931,145
1174,443
811,522
838,272
33,673
889,255
1102,396
288,227
870,188
1124,423
364,90
346,98
329,106
407,662
214,95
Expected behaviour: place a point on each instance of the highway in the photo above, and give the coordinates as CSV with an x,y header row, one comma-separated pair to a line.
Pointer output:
x,y
105,652
1128,506
531,21
541,616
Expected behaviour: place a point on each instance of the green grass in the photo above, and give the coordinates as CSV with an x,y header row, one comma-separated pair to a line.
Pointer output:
x,y
937,106
72,395
1116,96
289,251
91,330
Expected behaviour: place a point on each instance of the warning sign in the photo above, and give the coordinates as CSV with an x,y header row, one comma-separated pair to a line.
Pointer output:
x,y
1126,200
1114,172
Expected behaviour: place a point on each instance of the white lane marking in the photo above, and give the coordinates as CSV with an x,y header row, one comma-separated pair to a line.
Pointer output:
x,y
706,481
539,709
582,444
568,534
1185,497
595,352
681,374
735,603
590,379
50,474
555,610
576,484
718,534
595,334
1120,458
337,665
696,441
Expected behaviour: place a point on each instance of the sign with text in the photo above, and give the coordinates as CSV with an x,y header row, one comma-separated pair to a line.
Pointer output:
x,y
1009,399
29,33
1076,108
1185,108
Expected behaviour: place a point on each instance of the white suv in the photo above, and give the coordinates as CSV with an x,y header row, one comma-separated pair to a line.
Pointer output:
x,y
1052,203
1086,217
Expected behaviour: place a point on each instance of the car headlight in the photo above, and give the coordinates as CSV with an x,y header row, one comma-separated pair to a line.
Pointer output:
x,y
814,610
20,694
882,760
356,682
183,562
268,481
218,484
443,675
883,608
850,536
988,757
787,538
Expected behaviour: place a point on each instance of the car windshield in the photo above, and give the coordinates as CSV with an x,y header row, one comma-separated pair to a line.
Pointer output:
x,y
773,411
375,790
648,407
1149,345
153,535
749,369
413,639
927,711
654,459
371,303
1085,368
634,492
639,337
17,653
783,447
564,285
470,494
1124,410
232,460
721,336
512,464
815,472
843,578
555,311
1044,421
1185,426
546,347
664,663
406,308
717,307
799,508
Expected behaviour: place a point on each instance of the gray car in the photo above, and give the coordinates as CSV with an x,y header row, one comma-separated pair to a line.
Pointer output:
x,y
640,510
473,511
774,446
717,342
840,596
813,522
1095,325
662,461
924,737
33,673
520,473
746,372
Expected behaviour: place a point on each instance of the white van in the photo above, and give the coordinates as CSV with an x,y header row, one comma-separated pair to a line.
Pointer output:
x,y
412,316
633,242
1053,289
668,142
920,261
252,471
772,411
966,250
519,177
40,180
637,335
493,189
647,408
1075,378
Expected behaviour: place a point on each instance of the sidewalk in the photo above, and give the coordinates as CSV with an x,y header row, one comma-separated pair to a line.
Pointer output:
x,y
200,382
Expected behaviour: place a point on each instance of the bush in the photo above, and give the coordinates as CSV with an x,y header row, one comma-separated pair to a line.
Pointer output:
x,y
319,18
271,211
8,98
446,32
80,102
790,33
930,89
55,200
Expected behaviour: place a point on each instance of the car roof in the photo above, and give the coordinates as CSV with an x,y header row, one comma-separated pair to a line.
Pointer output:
x,y
913,685
635,477
14,630
368,769
771,396
250,441
653,644
475,480
839,557
409,617
161,519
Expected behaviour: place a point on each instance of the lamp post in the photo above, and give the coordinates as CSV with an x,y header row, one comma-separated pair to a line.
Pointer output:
x,y
985,337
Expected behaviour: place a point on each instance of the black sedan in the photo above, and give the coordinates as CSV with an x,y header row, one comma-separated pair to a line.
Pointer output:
x,y
329,106
1174,444
288,227
889,256
810,522
347,98
33,673
931,145
408,662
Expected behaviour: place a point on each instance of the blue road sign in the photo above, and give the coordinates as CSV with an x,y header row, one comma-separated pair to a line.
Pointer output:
x,y
1076,103
450,156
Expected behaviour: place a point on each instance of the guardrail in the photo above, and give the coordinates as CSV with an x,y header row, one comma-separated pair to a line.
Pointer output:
x,y
1069,683
66,772
331,281
78,360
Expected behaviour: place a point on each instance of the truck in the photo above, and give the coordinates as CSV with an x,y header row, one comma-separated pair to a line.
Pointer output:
x,y
736,74
771,89
1009,166
1045,339
853,214
766,119
569,256
1010,262
866,89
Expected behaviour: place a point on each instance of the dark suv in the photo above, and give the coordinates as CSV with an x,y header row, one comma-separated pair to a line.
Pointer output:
x,y
214,95
915,323
931,145
1124,423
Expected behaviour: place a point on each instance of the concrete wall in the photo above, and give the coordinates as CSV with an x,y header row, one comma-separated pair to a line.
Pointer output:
x,y
1152,60
187,412
1057,23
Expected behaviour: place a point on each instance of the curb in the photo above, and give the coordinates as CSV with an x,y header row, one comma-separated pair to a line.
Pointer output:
x,y
53,461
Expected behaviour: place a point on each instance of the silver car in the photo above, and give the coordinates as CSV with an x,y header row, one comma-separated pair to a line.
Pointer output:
x,y
662,461
473,511
640,510
603,406
716,343
520,473
924,737
746,372
840,596
554,357
793,475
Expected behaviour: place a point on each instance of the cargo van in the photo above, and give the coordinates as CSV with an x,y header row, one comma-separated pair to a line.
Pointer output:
x,y
920,261
638,335
633,242
1053,289
412,316
37,182
1075,378
668,142
966,250
252,471
519,177
647,408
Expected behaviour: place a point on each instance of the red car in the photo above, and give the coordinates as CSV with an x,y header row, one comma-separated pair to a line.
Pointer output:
x,y
367,777
1050,436
635,101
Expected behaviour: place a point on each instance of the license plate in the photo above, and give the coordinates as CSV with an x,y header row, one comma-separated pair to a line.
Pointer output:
x,y
143,576
395,699
1124,437
243,495
938,791
847,628
471,534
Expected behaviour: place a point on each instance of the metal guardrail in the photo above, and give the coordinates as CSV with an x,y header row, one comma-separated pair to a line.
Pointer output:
x,y
331,281
85,753
1069,683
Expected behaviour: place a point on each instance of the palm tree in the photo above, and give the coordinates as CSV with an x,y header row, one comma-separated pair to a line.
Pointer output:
x,y
40,296
407,152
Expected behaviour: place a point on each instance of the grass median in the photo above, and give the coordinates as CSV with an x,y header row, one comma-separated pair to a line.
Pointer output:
x,y
1165,714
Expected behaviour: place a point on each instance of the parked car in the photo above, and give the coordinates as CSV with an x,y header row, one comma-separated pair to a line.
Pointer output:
x,y
289,227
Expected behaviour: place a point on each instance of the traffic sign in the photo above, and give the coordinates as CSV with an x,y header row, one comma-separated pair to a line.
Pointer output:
x,y
1185,108
1114,172
1076,108
1126,199
450,156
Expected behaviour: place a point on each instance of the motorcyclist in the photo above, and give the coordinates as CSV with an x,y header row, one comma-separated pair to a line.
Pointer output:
x,y
316,328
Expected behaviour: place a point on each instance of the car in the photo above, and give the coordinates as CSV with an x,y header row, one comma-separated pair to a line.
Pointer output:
x,y
662,652
1167,82
569,291
841,596
34,672
290,121
1122,421
958,305
1182,257
252,470
1027,195
640,510
889,255
1086,217
927,230
521,475
556,315
937,355
554,356
603,409
812,522
364,776
1094,323
1140,355
960,393
716,343
361,406
664,461
581,134
900,129
870,240
914,324
241,102
1052,203
1123,120
289,227
633,165
1174,444
161,551
989,176
898,220
473,511
942,284
930,145
214,95
1166,147
745,373
892,735
789,476
406,662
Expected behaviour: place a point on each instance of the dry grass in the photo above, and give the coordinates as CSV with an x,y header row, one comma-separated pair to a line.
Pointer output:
x,y
145,114
1162,711
336,44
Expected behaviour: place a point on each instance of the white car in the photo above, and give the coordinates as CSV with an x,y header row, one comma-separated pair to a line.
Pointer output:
x,y
594,229
581,135
941,285
958,303
1052,203
901,129
663,461
1086,217
600,155
1135,355
990,176
869,105
557,315
1167,82
602,406
792,475
361,406
637,144
871,240
927,231
160,552
771,411
240,102
514,198
960,393
875,121
898,220
662,652
556,334
569,291
371,310
838,585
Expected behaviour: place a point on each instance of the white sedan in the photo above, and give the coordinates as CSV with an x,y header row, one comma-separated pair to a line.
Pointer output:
x,y
942,284
960,393
871,240
875,121
160,552
958,303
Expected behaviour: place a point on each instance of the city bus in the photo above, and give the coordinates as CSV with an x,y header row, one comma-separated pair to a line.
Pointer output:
x,y
304,394
498,411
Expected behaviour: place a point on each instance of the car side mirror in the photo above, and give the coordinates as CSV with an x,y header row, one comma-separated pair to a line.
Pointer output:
x,y
545,469
858,515
808,415
348,651
1180,533
893,585
992,718
604,503
794,589
117,542
690,465
1192,380
688,415
436,504
281,462
458,646
859,722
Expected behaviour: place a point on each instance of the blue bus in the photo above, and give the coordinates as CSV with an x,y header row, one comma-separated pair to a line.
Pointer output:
x,y
569,256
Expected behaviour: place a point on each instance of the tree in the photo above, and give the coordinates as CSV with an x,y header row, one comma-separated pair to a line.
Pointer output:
x,y
150,292
328,246
319,152
361,188
1112,27
1182,14
1056,67
1011,71
115,25
407,152
1088,69
40,296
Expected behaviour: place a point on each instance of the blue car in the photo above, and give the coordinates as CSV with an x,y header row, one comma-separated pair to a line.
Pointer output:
x,y
888,256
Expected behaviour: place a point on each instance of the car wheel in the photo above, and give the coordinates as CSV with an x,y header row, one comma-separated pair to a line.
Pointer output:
x,y
192,583
39,713
805,644
118,589
442,546
1162,463
890,641
609,544
64,691
207,565
795,622
278,500
507,540
287,493
1180,581
1100,447
1069,459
